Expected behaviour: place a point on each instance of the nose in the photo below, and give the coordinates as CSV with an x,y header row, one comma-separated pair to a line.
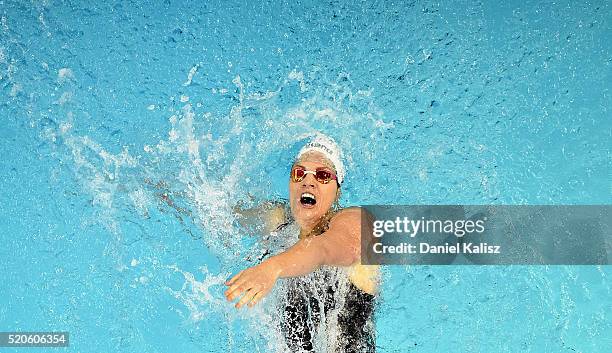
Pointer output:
x,y
309,180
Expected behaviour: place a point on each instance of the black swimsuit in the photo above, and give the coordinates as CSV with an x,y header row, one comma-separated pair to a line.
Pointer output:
x,y
354,334
302,313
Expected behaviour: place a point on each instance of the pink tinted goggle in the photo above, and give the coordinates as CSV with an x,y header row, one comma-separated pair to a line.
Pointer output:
x,y
322,175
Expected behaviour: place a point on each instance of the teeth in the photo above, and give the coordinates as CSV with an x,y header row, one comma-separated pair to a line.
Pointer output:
x,y
308,199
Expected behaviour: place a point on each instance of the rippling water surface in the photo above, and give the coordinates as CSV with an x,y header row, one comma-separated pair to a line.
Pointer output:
x,y
130,130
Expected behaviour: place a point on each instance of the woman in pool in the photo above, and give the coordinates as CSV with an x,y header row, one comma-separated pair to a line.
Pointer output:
x,y
328,237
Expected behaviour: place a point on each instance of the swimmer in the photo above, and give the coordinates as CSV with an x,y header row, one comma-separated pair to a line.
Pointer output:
x,y
328,236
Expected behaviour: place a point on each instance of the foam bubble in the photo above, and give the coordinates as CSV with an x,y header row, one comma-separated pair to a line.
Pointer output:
x,y
192,73
64,74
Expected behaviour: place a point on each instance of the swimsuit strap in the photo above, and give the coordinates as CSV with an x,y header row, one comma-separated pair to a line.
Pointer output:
x,y
282,226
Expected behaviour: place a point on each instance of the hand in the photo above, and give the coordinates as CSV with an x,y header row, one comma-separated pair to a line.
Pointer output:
x,y
255,282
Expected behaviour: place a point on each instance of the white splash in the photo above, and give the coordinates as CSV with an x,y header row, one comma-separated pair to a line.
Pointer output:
x,y
15,89
192,73
141,200
65,98
64,74
298,76
197,296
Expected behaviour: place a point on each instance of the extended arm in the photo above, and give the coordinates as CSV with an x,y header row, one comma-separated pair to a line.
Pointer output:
x,y
338,246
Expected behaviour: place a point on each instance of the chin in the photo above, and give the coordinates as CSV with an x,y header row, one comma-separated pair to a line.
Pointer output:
x,y
307,215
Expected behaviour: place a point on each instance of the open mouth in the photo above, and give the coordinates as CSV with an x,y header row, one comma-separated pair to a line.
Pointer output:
x,y
307,199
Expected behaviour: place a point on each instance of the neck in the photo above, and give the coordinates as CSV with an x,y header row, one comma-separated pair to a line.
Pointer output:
x,y
307,229
304,233
316,228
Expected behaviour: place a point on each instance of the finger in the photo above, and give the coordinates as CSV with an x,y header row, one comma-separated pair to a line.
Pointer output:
x,y
234,291
256,298
238,280
247,297
233,279
238,288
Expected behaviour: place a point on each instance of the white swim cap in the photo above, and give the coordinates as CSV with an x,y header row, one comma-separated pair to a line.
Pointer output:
x,y
328,147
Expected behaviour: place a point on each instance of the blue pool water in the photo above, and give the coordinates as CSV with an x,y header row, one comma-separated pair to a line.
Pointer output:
x,y
130,130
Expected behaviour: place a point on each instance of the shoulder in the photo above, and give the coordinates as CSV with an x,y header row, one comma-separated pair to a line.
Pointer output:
x,y
348,213
276,217
356,221
269,215
351,216
352,213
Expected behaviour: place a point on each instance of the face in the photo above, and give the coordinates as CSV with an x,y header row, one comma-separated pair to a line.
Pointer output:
x,y
309,199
